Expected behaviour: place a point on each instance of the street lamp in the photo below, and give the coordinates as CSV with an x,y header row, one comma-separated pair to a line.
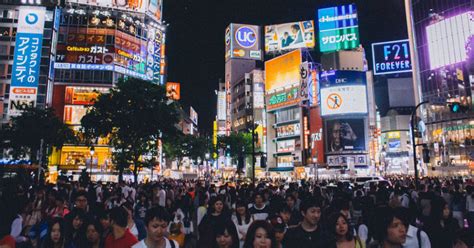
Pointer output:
x,y
207,156
92,151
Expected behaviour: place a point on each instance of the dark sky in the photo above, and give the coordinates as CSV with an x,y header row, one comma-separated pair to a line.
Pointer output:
x,y
195,37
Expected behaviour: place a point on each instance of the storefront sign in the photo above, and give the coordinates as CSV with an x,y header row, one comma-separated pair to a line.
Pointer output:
x,y
286,146
279,100
391,57
357,160
288,130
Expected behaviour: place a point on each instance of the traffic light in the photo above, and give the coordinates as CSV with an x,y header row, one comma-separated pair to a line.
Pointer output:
x,y
227,151
426,155
457,107
263,162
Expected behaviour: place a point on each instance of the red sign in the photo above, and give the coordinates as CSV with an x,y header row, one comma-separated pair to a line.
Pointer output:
x,y
316,142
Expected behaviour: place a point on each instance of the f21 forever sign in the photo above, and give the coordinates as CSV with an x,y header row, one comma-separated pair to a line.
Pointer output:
x,y
391,57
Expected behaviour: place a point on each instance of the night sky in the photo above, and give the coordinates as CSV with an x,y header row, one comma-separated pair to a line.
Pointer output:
x,y
195,37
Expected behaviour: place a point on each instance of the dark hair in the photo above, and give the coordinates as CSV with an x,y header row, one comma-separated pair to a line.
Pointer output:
x,y
98,227
309,203
79,194
290,196
241,203
128,206
119,216
258,194
382,219
48,242
213,201
295,26
221,227
76,213
332,222
157,212
253,230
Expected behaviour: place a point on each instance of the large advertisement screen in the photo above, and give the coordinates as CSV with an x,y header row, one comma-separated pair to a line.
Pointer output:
x,y
289,36
337,77
173,91
341,100
243,41
152,7
391,57
447,40
26,59
283,71
338,28
345,135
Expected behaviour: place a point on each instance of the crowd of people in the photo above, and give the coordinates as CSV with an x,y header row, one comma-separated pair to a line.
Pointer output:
x,y
269,214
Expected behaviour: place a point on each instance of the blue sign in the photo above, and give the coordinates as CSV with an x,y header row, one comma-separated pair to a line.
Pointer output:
x,y
27,59
336,77
338,28
391,57
245,37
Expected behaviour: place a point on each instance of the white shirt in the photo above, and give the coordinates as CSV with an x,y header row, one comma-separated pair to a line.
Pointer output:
x,y
162,198
142,244
412,239
363,233
98,194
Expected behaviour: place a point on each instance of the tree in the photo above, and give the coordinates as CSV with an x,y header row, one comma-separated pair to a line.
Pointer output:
x,y
238,145
22,137
190,146
134,115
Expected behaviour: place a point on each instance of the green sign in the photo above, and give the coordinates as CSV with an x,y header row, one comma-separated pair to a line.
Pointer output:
x,y
339,39
283,97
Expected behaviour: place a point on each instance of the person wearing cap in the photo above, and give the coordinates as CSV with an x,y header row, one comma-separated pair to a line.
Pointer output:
x,y
280,229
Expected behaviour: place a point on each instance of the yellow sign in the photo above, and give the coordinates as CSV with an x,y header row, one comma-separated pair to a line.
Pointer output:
x,y
393,135
283,70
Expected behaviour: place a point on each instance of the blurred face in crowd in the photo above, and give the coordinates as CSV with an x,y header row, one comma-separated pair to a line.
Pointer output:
x,y
218,206
397,232
81,202
105,222
279,236
92,234
312,215
290,202
156,229
341,227
446,211
285,216
77,223
56,233
258,200
224,240
240,210
262,240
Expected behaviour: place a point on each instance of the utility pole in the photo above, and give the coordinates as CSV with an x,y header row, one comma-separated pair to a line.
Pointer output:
x,y
412,123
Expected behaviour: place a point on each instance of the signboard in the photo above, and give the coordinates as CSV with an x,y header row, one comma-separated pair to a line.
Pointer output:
x,y
285,161
337,77
342,100
286,146
345,135
316,135
288,130
391,57
447,40
338,28
304,74
193,115
289,36
356,160
154,54
313,87
221,111
243,41
26,59
283,99
258,95
74,114
283,71
83,95
151,7
173,91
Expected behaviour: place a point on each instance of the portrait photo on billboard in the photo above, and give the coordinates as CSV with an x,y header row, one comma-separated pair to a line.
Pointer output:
x,y
345,135
289,36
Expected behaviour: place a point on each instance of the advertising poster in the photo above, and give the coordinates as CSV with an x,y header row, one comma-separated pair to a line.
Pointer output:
x,y
127,5
338,28
391,57
313,87
286,146
258,95
288,130
316,135
341,100
345,136
155,8
283,71
20,98
289,36
173,91
74,114
83,95
243,41
335,77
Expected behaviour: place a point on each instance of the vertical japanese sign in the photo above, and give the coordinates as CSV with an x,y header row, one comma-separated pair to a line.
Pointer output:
x,y
338,28
27,59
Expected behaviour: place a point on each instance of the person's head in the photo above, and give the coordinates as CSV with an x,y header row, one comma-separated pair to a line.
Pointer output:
x,y
336,133
311,210
260,235
94,232
290,200
241,208
280,228
77,217
338,226
143,198
80,200
104,220
156,223
118,217
258,199
216,205
225,235
129,208
285,35
285,214
295,28
388,226
56,231
59,201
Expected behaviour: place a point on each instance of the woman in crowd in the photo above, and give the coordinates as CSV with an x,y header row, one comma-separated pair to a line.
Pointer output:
x,y
217,212
56,234
94,234
260,235
225,235
242,220
441,227
75,229
339,230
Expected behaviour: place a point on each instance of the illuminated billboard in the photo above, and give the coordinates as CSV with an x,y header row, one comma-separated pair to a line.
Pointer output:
x,y
193,115
447,40
73,114
243,41
344,99
282,99
221,106
289,36
283,71
338,77
151,7
338,28
76,95
173,91
345,136
391,57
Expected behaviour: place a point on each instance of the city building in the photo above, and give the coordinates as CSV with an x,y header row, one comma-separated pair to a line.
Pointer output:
x,y
443,35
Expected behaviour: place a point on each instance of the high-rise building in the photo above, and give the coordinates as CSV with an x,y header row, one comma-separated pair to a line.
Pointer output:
x,y
444,42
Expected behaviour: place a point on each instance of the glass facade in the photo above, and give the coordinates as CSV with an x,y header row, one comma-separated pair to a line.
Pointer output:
x,y
443,24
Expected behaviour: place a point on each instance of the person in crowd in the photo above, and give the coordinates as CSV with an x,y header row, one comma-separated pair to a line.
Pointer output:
x,y
56,234
80,203
259,210
94,234
261,235
416,237
441,226
280,228
75,228
156,223
120,236
341,234
242,220
141,207
225,235
470,208
295,218
217,212
388,229
308,233
135,226
104,221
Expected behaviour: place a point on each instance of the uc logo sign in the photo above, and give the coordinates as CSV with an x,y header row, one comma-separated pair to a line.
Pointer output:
x,y
31,18
245,37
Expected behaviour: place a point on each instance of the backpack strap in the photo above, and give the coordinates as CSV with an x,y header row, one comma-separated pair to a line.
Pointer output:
x,y
418,236
172,243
